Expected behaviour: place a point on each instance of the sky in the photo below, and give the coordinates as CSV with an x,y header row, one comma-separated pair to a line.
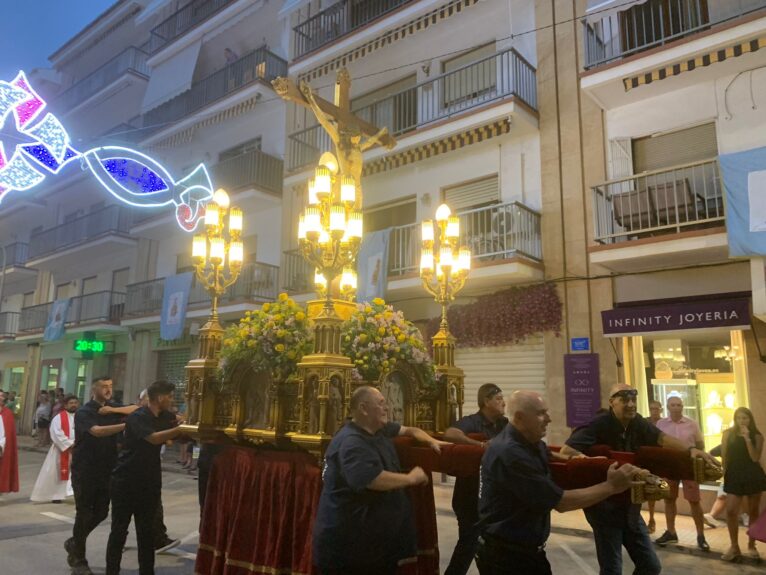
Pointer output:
x,y
32,30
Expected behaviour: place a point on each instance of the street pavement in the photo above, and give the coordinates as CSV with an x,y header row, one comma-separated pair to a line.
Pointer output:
x,y
32,535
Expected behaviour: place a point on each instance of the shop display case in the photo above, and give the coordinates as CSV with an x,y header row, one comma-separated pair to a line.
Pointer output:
x,y
685,388
718,400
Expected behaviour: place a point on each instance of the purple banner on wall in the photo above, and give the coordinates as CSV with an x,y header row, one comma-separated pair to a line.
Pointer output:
x,y
583,388
671,317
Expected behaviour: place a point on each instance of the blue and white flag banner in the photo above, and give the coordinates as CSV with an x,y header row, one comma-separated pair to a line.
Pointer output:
x,y
55,326
744,178
175,298
372,265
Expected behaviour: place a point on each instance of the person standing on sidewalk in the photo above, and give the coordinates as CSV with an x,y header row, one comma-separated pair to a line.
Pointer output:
x,y
517,493
489,421
687,431
9,454
136,482
616,522
96,426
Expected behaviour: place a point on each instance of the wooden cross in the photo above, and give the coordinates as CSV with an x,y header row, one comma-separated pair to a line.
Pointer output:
x,y
340,111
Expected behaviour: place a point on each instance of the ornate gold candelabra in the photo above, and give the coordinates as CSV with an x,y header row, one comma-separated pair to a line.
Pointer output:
x,y
330,230
444,267
217,254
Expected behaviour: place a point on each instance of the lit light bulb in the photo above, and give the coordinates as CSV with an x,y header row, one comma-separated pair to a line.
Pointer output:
x,y
221,198
322,181
301,227
427,231
337,219
313,220
347,189
324,237
464,259
217,250
453,227
426,260
445,257
348,279
355,225
443,213
199,247
212,215
235,220
236,253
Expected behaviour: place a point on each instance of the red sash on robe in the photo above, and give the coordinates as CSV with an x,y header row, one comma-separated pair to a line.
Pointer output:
x,y
9,461
65,455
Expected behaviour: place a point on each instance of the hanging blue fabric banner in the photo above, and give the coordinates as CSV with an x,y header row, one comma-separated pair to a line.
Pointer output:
x,y
55,326
744,177
372,266
175,298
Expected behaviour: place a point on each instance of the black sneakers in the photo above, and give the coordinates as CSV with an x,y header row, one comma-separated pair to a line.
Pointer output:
x,y
702,544
168,543
666,538
71,558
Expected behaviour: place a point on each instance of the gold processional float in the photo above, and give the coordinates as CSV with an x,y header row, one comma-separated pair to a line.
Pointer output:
x,y
330,233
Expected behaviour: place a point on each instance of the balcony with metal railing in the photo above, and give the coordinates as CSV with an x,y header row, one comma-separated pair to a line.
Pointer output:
x,y
104,307
257,282
9,324
658,202
111,220
654,23
185,19
252,168
503,75
132,60
339,20
260,65
297,273
493,233
16,254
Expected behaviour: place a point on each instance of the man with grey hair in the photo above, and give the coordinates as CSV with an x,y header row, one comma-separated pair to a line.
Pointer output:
x,y
517,493
364,523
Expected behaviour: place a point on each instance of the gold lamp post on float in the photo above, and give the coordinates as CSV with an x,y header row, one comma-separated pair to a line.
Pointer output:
x,y
217,254
444,267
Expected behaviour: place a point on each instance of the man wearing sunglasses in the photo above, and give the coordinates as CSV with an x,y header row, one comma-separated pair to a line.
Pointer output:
x,y
616,522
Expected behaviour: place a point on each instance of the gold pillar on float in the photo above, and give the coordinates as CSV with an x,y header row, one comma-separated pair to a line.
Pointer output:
x,y
444,268
218,255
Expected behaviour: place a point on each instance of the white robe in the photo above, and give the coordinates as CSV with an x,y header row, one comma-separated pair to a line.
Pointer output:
x,y
48,485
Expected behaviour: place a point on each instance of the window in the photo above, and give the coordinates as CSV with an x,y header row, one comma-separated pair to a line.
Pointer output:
x,y
472,194
64,291
239,150
90,285
120,280
675,148
29,299
468,76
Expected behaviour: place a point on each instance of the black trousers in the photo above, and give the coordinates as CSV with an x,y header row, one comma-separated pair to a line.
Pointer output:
x,y
468,536
493,558
128,501
159,529
91,499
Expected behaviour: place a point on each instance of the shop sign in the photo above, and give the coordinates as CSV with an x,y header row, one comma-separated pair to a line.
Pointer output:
x,y
580,344
679,316
583,388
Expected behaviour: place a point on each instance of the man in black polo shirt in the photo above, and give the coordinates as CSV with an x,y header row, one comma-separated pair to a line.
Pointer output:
x,y
617,522
364,522
488,422
96,428
137,478
517,494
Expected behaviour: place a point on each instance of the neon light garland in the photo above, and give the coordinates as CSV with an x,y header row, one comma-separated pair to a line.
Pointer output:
x,y
130,176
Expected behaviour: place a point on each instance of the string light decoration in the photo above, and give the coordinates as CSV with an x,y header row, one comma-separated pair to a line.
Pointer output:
x,y
330,230
130,176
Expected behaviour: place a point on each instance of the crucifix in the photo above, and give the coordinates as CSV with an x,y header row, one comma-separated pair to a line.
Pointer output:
x,y
351,135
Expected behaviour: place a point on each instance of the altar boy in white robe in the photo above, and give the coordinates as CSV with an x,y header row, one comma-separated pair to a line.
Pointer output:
x,y
54,482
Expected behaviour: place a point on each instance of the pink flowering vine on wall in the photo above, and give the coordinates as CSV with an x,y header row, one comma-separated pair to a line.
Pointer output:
x,y
504,317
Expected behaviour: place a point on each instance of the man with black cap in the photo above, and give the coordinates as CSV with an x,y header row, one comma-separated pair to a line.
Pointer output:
x,y
488,422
